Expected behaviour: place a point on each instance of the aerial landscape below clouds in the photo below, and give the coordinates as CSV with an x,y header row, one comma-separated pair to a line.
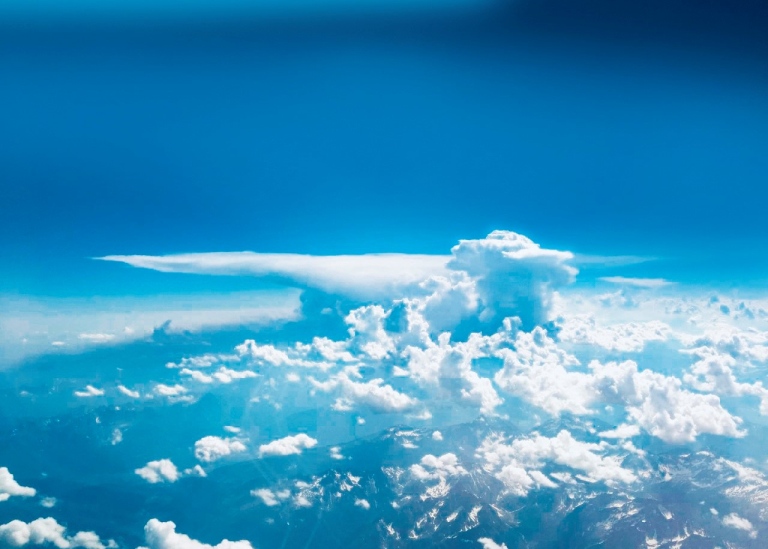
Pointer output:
x,y
491,402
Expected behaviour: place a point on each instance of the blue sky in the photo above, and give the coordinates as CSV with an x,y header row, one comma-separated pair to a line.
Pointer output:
x,y
308,136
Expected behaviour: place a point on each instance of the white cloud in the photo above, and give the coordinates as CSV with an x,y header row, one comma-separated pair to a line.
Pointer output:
x,y
660,405
48,531
363,503
117,437
90,391
290,445
437,435
128,392
625,337
96,338
162,470
366,276
637,282
163,535
222,375
488,543
212,448
336,453
43,530
622,431
196,471
374,394
437,468
270,498
9,487
740,523
518,464
48,502
514,275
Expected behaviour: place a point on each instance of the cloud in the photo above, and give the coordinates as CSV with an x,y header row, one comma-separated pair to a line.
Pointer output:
x,y
368,276
48,531
637,282
514,276
437,468
43,530
374,394
362,503
96,338
163,535
290,445
212,448
162,470
128,392
488,543
90,391
740,523
625,337
9,487
270,498
518,464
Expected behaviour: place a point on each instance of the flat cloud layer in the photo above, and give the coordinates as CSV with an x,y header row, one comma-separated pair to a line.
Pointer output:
x,y
367,276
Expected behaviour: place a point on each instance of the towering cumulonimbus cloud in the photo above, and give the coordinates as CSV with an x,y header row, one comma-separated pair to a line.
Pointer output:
x,y
504,274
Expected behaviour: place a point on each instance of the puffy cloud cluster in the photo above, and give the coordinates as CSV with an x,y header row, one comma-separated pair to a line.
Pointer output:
x,y
513,276
290,445
488,543
271,498
9,487
437,468
222,375
163,535
43,531
212,448
374,394
518,465
538,371
161,470
714,372
624,337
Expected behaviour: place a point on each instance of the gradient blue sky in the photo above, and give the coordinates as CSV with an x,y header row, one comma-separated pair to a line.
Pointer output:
x,y
352,133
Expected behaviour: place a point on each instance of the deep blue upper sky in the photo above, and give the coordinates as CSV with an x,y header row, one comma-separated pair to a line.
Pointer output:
x,y
593,126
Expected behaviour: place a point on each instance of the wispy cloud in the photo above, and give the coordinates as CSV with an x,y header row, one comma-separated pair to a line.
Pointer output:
x,y
363,276
637,282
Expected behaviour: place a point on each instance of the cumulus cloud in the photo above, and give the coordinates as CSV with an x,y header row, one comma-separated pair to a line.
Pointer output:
x,y
48,531
514,276
163,535
432,467
270,498
488,543
9,487
625,337
290,445
212,448
518,465
374,394
222,375
162,470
